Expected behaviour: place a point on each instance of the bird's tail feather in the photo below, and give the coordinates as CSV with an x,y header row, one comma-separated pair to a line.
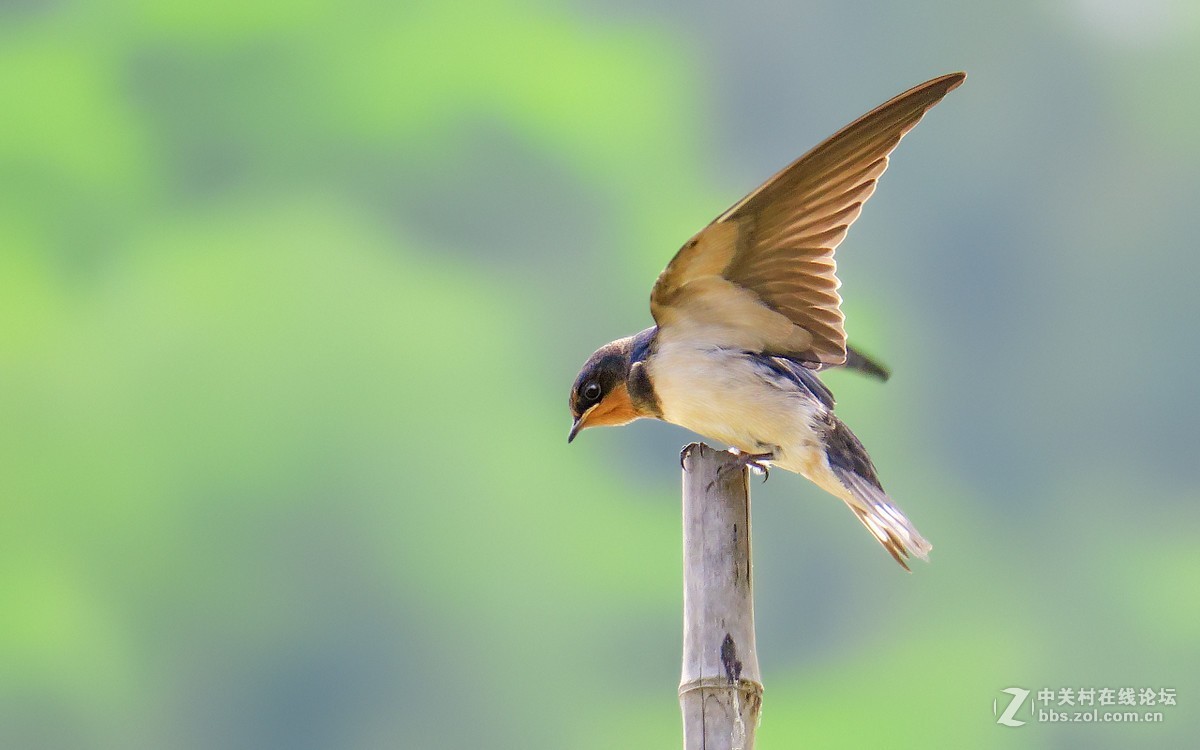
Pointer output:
x,y
883,519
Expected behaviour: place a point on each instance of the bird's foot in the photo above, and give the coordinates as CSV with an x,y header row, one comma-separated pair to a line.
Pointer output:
x,y
757,462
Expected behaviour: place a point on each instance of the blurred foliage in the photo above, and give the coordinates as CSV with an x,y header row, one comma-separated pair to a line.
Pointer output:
x,y
291,295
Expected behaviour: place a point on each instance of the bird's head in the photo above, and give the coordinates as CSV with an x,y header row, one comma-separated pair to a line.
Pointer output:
x,y
600,395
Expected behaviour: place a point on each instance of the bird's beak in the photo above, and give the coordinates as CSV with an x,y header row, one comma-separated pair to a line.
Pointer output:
x,y
580,423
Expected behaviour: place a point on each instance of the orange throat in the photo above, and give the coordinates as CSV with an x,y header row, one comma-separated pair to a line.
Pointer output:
x,y
616,409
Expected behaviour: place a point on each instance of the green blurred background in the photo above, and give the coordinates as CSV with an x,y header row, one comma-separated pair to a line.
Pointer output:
x,y
291,295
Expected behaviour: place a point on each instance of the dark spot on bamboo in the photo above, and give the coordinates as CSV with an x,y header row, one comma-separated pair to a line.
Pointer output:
x,y
729,660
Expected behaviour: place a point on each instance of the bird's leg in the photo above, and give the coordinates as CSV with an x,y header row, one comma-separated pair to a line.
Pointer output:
x,y
754,461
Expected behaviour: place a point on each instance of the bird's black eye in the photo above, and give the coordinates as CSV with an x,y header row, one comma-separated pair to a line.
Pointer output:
x,y
591,391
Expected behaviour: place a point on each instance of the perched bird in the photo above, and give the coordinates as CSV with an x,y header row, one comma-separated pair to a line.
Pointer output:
x,y
748,311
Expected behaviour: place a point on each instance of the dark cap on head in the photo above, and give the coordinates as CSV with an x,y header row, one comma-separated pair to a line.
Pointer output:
x,y
613,388
602,377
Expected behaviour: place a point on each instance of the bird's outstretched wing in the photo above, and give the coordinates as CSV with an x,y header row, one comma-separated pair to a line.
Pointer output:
x,y
762,275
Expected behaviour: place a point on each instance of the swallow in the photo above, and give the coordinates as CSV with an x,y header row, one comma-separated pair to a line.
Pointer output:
x,y
748,312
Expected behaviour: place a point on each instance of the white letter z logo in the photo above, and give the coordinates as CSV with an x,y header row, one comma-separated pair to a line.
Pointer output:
x,y
1018,699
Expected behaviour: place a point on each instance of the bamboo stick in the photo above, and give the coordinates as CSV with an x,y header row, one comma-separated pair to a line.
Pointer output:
x,y
720,690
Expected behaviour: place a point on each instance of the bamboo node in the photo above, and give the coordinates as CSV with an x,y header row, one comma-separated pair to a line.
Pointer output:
x,y
720,683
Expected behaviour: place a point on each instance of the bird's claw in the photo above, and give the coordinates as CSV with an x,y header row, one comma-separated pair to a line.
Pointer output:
x,y
754,461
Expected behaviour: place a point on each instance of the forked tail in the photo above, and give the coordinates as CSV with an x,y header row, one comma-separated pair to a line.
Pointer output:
x,y
883,519
864,494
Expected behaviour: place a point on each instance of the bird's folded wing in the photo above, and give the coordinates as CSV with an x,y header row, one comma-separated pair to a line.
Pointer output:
x,y
762,275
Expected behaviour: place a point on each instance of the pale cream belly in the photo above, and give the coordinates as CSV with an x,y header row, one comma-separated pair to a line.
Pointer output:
x,y
723,396
741,401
